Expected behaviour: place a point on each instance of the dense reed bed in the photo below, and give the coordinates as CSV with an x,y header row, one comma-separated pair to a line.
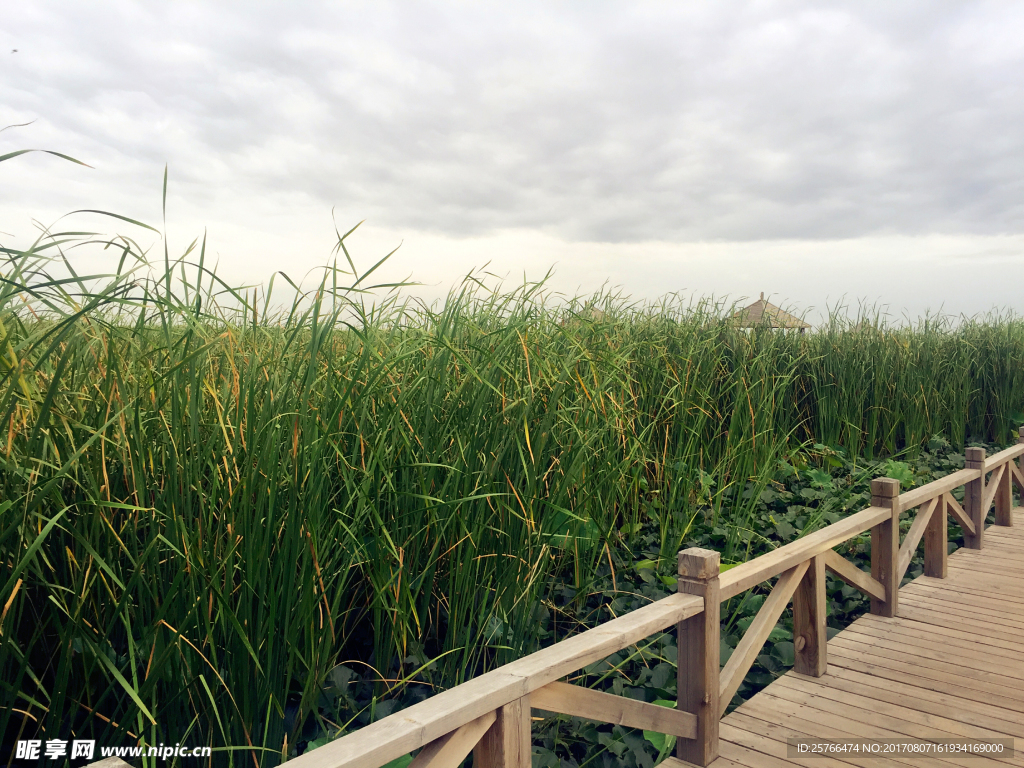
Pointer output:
x,y
208,504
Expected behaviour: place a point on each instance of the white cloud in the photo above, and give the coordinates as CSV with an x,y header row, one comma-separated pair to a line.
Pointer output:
x,y
650,141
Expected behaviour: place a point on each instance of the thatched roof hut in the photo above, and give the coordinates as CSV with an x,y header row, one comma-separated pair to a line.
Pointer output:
x,y
762,313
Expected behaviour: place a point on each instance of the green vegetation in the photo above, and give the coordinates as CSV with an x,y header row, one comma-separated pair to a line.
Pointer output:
x,y
800,497
229,524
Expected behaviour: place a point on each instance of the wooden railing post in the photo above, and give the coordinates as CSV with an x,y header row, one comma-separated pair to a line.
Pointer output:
x,y
698,655
507,743
809,634
936,545
885,545
1020,466
973,493
1004,497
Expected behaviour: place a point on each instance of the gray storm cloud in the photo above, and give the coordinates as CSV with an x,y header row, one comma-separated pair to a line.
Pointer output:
x,y
589,121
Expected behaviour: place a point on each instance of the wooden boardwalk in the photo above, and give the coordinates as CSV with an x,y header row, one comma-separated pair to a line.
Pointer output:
x,y
949,665
940,659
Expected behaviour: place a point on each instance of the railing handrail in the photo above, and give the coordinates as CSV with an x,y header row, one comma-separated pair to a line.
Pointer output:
x,y
493,704
401,733
926,493
1005,455
751,573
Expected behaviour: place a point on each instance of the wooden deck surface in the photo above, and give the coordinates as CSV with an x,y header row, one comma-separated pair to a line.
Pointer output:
x,y
950,665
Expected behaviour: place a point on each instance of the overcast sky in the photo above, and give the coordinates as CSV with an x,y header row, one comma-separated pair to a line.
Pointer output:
x,y
809,150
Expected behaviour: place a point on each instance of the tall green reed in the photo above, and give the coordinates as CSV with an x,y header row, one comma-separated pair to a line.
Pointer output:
x,y
210,503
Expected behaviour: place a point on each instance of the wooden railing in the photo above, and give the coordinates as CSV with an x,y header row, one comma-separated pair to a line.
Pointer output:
x,y
490,715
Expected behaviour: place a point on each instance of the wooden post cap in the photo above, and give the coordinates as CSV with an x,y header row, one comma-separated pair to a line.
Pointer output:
x,y
884,488
975,457
698,564
1020,435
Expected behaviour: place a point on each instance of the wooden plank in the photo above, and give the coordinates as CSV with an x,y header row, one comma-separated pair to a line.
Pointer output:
x,y
1001,553
763,745
451,749
1004,672
1010,536
986,604
928,616
557,661
996,560
751,759
951,635
945,612
914,536
885,545
1004,496
884,667
827,712
994,660
936,543
992,489
1005,542
743,577
974,577
762,625
970,596
988,608
853,575
922,662
982,578
1007,454
986,640
412,728
1007,537
965,578
1017,478
1006,547
999,721
937,669
943,485
971,589
809,634
507,743
960,605
964,569
1003,537
973,494
992,561
825,725
983,605
578,701
752,728
954,508
864,723
1018,513
902,720
989,567
698,654
982,616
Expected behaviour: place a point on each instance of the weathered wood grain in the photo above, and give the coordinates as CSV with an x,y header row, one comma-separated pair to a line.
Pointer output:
x,y
583,702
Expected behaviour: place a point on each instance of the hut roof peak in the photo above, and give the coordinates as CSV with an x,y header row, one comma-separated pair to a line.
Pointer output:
x,y
763,312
